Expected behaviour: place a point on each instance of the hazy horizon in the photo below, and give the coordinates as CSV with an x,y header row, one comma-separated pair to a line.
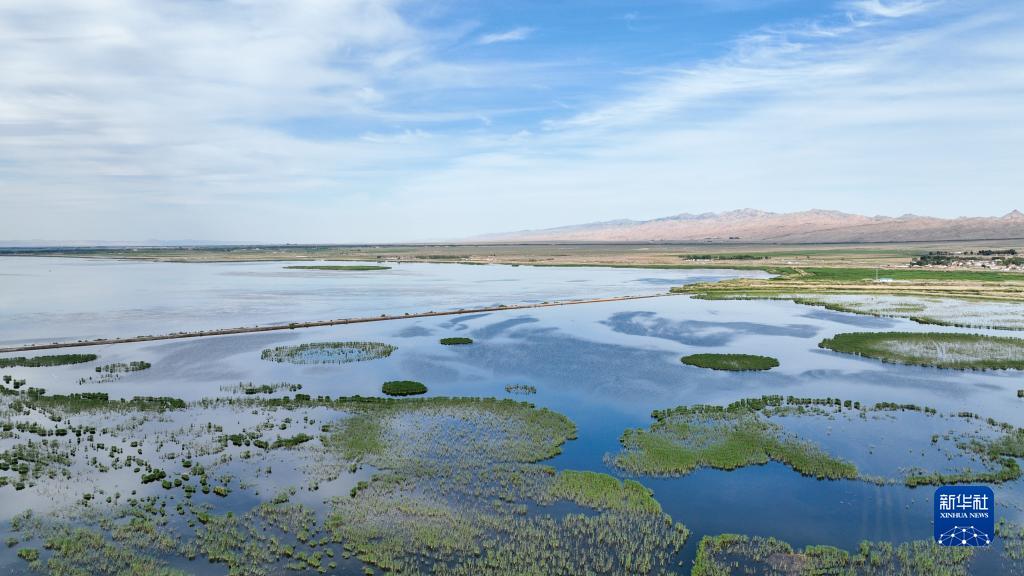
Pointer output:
x,y
498,234
396,121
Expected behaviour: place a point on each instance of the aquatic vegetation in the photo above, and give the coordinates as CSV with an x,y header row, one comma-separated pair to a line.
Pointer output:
x,y
520,389
265,540
292,441
1012,537
45,361
340,268
74,551
113,372
328,352
952,298
451,498
689,437
732,362
503,430
456,341
463,495
420,536
603,492
403,388
935,349
73,403
749,432
249,388
119,367
733,553
964,313
1000,452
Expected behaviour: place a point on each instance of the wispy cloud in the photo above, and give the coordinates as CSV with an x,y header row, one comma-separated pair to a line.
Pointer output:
x,y
513,35
829,114
319,121
890,9
773,60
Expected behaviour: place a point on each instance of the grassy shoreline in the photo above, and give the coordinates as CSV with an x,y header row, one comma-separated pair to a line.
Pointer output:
x,y
932,349
353,268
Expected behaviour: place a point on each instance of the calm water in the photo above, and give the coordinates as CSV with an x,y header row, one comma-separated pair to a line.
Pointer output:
x,y
606,366
48,299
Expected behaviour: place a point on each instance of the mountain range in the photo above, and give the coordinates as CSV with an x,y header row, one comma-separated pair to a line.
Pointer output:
x,y
747,225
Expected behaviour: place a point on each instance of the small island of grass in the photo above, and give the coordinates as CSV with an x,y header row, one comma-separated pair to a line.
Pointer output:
x,y
403,388
732,362
458,341
934,349
346,268
328,352
685,438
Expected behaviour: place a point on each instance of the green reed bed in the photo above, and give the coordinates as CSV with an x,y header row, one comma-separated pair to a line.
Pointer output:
x,y
727,554
328,352
113,372
731,362
403,388
122,367
46,361
1012,537
743,433
999,452
100,401
456,341
603,492
934,349
451,498
458,491
482,429
291,441
53,439
680,443
962,313
249,389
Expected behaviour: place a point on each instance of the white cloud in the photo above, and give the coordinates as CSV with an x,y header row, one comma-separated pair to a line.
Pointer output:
x,y
863,118
513,35
335,121
890,9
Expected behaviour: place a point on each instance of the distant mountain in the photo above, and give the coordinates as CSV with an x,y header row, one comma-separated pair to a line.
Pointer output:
x,y
811,226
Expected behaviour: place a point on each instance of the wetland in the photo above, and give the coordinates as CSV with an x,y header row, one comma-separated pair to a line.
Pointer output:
x,y
565,440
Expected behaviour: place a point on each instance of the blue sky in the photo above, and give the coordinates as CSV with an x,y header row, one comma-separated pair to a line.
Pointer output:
x,y
389,120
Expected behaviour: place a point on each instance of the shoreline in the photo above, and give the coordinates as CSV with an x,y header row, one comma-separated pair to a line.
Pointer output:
x,y
316,324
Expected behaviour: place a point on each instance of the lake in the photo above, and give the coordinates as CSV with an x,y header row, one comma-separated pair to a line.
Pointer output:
x,y
605,366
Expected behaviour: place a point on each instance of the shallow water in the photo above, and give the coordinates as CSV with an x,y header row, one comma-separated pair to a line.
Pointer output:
x,y
51,299
606,366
